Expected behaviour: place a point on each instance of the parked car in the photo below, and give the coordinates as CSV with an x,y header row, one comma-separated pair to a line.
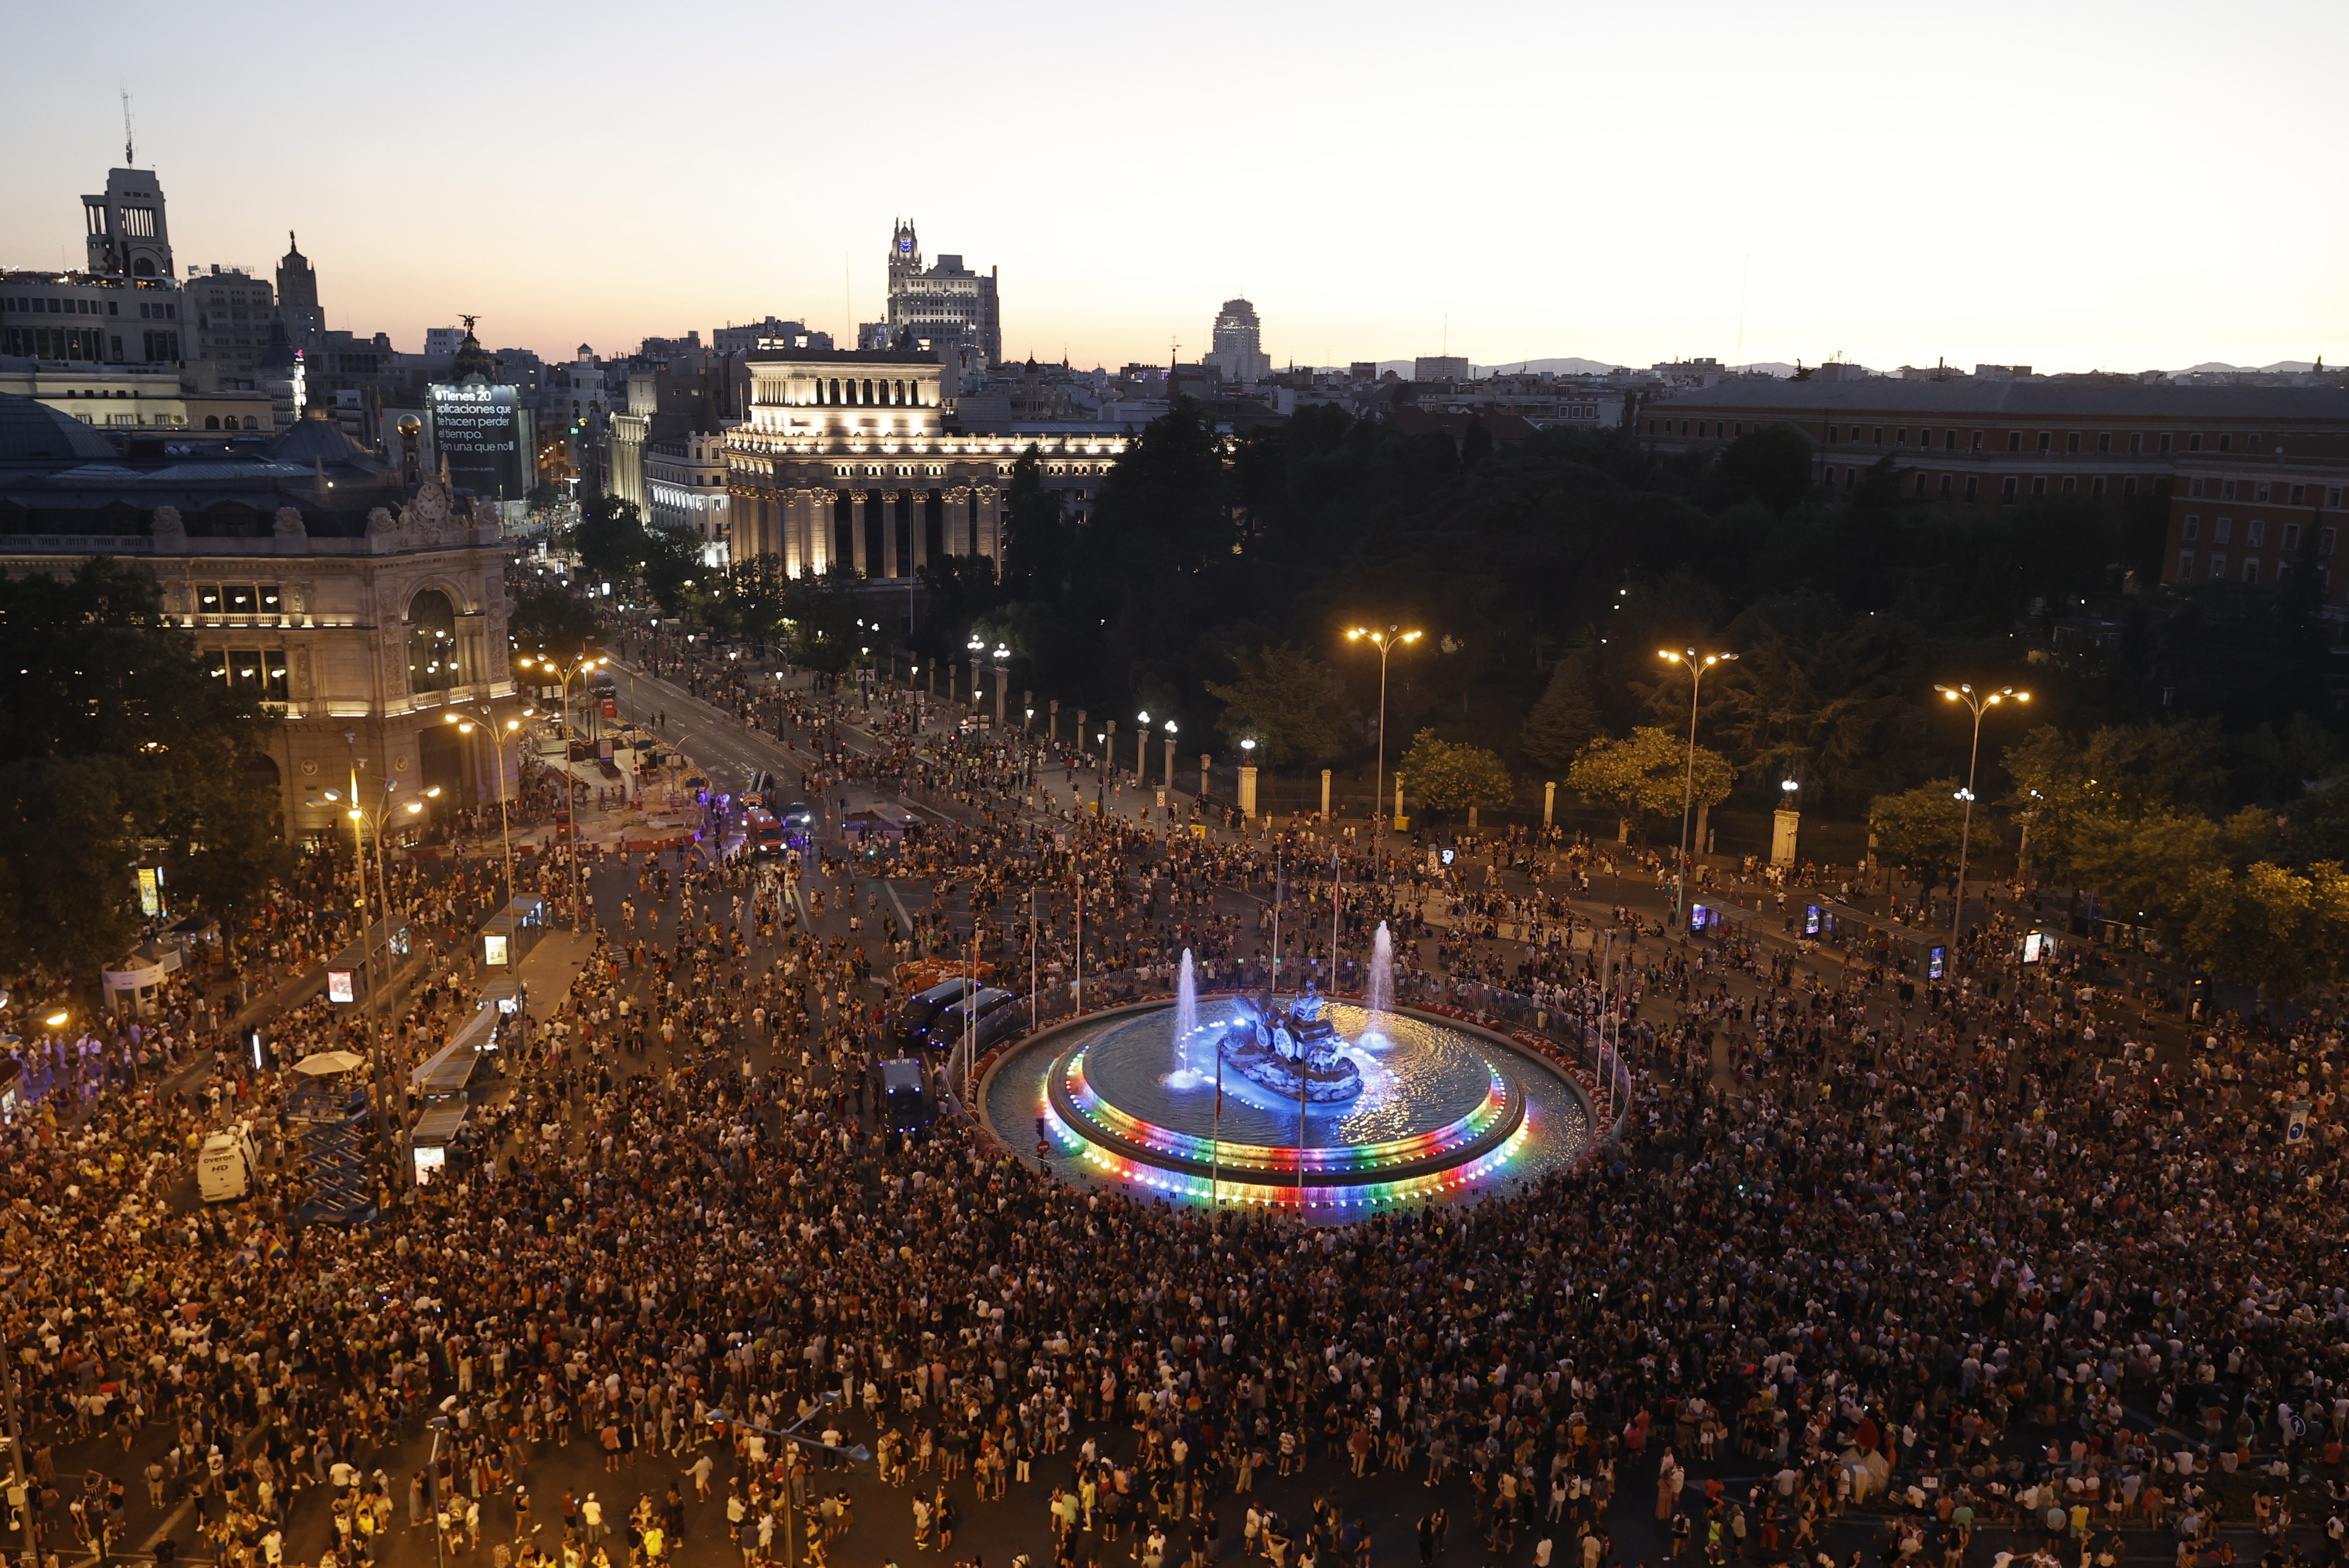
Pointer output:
x,y
985,1016
922,1009
907,1104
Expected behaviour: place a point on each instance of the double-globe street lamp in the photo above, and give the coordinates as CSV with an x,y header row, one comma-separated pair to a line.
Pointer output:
x,y
1386,641
1696,664
1978,703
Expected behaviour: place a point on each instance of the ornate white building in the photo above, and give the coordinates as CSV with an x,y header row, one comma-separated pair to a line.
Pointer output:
x,y
853,457
358,608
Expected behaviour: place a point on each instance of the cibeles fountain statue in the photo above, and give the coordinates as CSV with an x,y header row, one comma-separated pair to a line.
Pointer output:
x,y
1294,1051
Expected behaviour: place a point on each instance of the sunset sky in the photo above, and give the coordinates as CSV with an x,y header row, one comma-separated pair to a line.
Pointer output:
x,y
2075,187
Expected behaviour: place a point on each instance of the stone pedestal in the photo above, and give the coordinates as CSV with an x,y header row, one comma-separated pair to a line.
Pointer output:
x,y
1248,792
1325,794
1784,827
1549,803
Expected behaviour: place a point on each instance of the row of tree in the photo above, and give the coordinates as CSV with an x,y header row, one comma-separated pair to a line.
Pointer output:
x,y
119,748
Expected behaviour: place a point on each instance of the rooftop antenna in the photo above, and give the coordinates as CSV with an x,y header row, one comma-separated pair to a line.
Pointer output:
x,y
1743,273
128,159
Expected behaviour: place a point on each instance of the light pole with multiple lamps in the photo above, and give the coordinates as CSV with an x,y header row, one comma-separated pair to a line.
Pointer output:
x,y
1386,641
1978,703
498,750
361,819
571,780
1696,664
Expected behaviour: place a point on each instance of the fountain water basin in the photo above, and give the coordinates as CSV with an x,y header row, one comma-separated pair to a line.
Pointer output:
x,y
1432,1112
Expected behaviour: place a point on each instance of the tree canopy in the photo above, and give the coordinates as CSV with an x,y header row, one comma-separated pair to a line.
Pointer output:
x,y
118,742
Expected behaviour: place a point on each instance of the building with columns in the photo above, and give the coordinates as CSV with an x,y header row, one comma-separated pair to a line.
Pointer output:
x,y
855,458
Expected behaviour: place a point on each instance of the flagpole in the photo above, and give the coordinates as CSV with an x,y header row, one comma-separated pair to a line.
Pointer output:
x,y
1216,1168
1337,889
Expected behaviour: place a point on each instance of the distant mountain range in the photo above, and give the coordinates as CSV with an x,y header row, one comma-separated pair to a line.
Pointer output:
x,y
1572,364
2281,367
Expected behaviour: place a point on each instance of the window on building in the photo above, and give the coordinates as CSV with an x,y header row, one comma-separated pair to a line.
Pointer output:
x,y
2194,487
2324,541
2262,497
1975,443
2071,483
2226,442
2333,496
2291,536
2006,491
2014,440
2104,440
239,599
2226,490
2098,485
2223,532
2297,492
2046,440
2217,564
1835,434
2070,443
2193,442
2184,566
2251,568
1900,438
1878,438
1973,487
2128,485
1946,486
1920,484
2136,442
2165,442
2255,530
2039,484
2191,530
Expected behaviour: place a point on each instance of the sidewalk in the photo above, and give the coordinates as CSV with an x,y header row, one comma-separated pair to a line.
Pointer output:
x,y
546,971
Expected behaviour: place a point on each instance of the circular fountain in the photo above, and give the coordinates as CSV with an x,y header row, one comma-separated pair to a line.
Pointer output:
x,y
1293,1101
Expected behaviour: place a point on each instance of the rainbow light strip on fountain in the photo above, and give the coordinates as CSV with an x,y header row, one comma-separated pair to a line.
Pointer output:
x,y
1275,1159
1232,1189
1254,1172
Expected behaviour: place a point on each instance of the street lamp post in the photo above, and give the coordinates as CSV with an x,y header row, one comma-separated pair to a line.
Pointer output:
x,y
498,753
1978,703
1696,664
1140,751
859,1454
1386,641
361,819
1170,770
572,785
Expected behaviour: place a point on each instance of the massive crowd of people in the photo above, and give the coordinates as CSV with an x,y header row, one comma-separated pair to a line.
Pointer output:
x,y
1979,1255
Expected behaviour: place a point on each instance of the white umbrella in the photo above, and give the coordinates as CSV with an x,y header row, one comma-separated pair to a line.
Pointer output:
x,y
326,1062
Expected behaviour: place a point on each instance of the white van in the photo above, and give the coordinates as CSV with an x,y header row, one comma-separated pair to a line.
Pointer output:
x,y
226,1166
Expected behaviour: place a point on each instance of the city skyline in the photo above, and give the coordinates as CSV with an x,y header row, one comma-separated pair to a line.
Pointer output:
x,y
1596,189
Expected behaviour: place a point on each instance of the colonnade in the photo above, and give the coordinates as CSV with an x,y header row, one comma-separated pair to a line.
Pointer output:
x,y
877,532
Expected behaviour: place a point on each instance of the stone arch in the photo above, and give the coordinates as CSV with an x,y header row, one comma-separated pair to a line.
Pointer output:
x,y
432,647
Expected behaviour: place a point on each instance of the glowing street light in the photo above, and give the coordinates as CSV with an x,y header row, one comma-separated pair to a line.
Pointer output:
x,y
1978,703
1696,664
1386,641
